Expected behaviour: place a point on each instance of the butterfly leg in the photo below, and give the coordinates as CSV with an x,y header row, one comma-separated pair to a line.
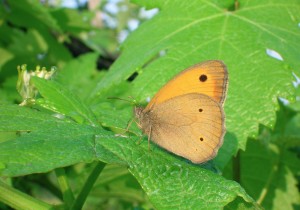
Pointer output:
x,y
149,137
140,140
127,127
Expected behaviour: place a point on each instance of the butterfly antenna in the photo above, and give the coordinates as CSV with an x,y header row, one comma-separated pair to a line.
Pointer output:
x,y
133,101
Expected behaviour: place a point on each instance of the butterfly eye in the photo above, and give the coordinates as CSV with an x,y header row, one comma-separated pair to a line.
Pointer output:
x,y
203,78
200,110
201,139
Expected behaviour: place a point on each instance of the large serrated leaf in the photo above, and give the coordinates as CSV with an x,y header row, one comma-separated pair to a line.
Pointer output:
x,y
171,183
185,33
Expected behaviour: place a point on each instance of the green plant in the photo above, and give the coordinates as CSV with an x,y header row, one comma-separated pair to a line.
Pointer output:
x,y
72,122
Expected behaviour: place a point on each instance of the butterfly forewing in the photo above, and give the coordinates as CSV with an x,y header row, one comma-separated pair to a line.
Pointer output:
x,y
209,78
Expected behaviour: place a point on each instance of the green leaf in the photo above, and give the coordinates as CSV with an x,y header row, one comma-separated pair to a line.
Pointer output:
x,y
286,130
269,165
36,14
45,141
71,20
166,178
57,98
267,175
185,33
80,74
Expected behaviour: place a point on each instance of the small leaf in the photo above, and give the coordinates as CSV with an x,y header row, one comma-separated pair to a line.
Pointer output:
x,y
59,99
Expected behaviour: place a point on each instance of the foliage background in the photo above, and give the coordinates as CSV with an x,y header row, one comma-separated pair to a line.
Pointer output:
x,y
72,125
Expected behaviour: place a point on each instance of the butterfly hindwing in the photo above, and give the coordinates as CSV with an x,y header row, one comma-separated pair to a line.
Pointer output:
x,y
191,126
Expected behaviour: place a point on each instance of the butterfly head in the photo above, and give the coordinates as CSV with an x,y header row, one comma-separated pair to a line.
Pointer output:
x,y
143,119
138,112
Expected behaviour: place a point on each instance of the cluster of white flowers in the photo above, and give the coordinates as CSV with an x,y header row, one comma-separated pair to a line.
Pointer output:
x,y
25,88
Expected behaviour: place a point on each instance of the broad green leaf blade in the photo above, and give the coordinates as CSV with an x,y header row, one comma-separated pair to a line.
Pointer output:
x,y
80,75
40,153
58,98
45,142
16,118
188,32
171,183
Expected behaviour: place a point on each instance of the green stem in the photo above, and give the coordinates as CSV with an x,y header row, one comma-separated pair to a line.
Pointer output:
x,y
88,186
67,193
19,200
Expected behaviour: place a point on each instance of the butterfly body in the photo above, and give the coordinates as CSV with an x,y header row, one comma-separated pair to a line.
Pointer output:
x,y
186,116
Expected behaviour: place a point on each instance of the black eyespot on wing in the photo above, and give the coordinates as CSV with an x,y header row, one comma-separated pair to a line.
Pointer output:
x,y
203,78
201,139
200,110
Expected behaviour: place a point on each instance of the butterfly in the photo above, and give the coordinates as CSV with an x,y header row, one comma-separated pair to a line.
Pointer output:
x,y
186,115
